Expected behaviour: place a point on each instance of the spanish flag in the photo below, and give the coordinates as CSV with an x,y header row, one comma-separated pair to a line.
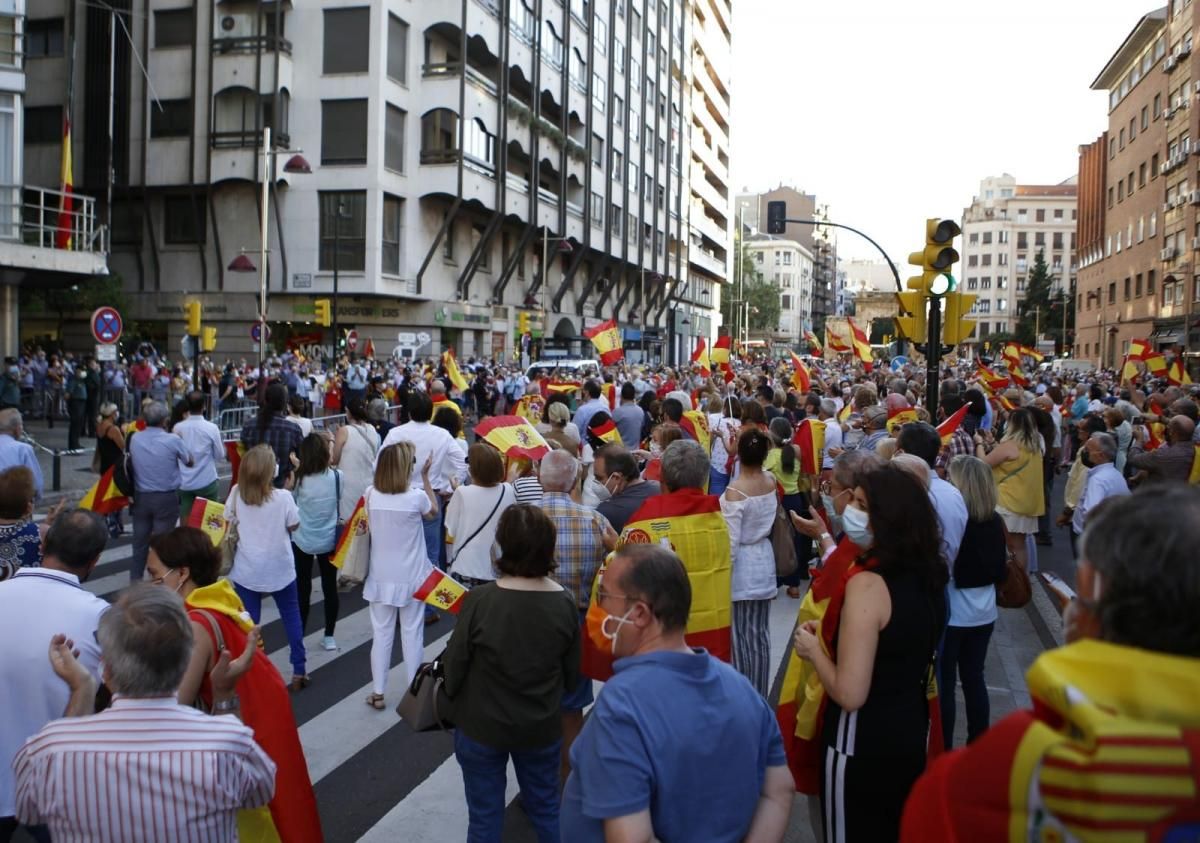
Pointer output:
x,y
1156,362
209,517
234,452
369,348
606,431
835,340
992,382
606,337
530,408
1037,356
104,498
946,429
814,344
844,413
355,529
1194,475
810,437
689,523
901,417
1177,374
452,372
64,237
1129,371
609,391
720,350
802,379
512,436
442,401
441,591
1155,433
700,357
695,422
862,346
1012,356
558,387
1139,349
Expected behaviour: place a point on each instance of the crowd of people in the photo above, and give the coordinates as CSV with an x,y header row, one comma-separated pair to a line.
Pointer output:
x,y
639,550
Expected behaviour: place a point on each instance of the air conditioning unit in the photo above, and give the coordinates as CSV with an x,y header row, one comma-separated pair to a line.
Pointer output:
x,y
1169,63
1184,49
1196,243
1164,167
1168,206
1167,114
1167,254
1194,197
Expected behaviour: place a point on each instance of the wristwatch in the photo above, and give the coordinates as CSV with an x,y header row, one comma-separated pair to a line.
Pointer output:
x,y
824,536
227,705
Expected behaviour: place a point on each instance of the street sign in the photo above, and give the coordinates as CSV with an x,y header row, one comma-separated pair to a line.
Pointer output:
x,y
106,352
899,362
255,332
351,340
106,325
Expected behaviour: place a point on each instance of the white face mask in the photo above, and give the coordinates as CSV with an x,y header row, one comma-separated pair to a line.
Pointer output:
x,y
599,489
621,621
857,526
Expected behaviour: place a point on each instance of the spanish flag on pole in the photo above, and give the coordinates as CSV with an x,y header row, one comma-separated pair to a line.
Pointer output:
x,y
64,237
810,437
209,517
104,498
695,422
862,346
814,344
355,528
1156,362
946,429
513,436
605,430
720,350
1177,374
689,523
441,592
1139,349
1129,371
452,372
835,340
802,379
606,337
992,382
700,357
901,417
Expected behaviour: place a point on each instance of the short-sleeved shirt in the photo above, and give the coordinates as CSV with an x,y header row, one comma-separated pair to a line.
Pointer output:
x,y
264,561
317,501
156,458
629,419
284,439
683,735
579,543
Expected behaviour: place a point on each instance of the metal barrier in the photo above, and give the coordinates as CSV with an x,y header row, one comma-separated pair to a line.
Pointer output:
x,y
56,460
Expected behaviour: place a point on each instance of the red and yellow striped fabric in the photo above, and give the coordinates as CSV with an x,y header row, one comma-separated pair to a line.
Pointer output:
x,y
209,518
1139,349
689,523
946,429
104,498
991,381
696,423
609,391
606,432
835,340
234,451
1156,362
355,529
810,437
557,387
513,436
720,350
606,337
441,592
700,357
802,379
1129,371
900,417
862,346
452,372
814,344
530,408
1177,373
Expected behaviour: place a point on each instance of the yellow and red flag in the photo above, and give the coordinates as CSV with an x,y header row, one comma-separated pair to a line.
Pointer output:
x,y
802,378
559,387
835,340
1012,356
689,523
442,401
720,350
369,348
530,408
695,422
441,591
1177,374
992,382
609,391
900,417
1155,435
810,438
1194,474
209,518
452,372
1129,371
947,428
1156,362
104,498
1139,349
606,337
606,431
814,344
844,413
862,346
1037,356
64,237
352,533
512,436
234,451
700,357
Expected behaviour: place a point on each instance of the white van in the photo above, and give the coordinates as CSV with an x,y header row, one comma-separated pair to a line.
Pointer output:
x,y
565,368
1070,366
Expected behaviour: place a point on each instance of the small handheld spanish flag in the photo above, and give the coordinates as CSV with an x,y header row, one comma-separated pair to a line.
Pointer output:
x,y
814,344
209,518
104,498
700,357
946,429
606,337
512,436
802,379
1177,374
452,372
441,592
900,417
862,346
720,350
604,429
835,340
355,528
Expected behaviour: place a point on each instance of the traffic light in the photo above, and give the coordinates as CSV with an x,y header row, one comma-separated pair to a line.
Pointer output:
x,y
209,340
913,327
956,327
776,216
192,309
937,258
523,323
323,312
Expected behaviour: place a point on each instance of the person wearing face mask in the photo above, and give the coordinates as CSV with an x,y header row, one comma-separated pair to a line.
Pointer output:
x,y
1110,739
679,746
1103,480
873,653
185,561
616,470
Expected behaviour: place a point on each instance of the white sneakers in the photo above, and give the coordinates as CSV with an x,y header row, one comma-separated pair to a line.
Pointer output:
x,y
327,643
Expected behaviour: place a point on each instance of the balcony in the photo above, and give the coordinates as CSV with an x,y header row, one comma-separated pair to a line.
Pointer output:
x,y
36,234
235,63
707,260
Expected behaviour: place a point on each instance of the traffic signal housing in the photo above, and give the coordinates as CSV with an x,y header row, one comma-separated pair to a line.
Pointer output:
x,y
208,340
956,327
192,309
523,323
324,312
913,326
776,217
937,258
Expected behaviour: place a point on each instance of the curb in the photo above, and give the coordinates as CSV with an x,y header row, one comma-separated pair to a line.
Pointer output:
x,y
1046,619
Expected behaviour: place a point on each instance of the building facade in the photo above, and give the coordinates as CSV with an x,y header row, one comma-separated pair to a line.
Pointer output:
x,y
1004,229
475,167
789,267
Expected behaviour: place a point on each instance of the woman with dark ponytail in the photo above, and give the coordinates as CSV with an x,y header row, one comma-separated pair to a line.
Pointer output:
x,y
783,462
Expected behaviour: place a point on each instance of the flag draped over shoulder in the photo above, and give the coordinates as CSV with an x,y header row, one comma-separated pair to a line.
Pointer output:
x,y
441,592
355,529
690,524
802,378
452,372
695,422
64,237
862,346
209,517
810,437
606,337
513,436
104,498
946,429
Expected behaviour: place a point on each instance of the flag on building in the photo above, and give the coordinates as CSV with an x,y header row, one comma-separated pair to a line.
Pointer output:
x,y
862,346
209,518
354,532
64,237
1177,373
234,451
512,436
1138,349
700,357
452,372
606,337
900,417
689,523
946,429
441,591
104,498
695,422
802,378
814,344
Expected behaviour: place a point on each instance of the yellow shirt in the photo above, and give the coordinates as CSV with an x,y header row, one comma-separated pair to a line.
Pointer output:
x,y
1019,484
794,483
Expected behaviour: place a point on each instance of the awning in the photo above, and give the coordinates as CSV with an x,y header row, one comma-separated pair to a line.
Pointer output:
x,y
1166,335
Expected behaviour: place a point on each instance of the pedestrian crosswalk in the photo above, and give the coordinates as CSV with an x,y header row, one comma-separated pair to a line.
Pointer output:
x,y
375,780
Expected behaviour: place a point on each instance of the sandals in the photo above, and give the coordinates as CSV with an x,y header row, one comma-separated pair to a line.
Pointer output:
x,y
375,701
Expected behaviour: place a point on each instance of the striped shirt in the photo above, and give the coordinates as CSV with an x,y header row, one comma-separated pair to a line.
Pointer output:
x,y
145,770
528,490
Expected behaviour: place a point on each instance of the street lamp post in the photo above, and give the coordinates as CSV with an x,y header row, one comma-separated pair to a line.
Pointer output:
x,y
564,247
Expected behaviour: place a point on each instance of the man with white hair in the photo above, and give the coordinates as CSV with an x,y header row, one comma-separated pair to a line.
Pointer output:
x,y
582,538
15,452
1103,479
827,415
156,456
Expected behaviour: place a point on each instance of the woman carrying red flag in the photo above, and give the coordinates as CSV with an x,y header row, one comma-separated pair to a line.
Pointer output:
x,y
186,561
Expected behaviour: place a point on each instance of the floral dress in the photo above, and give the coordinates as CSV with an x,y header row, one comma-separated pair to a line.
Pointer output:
x,y
20,547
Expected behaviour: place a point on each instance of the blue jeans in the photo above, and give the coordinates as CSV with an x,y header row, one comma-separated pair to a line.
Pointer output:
x,y
963,652
288,603
485,778
716,481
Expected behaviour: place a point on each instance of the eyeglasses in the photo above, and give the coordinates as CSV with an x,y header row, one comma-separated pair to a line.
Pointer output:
x,y
162,579
602,595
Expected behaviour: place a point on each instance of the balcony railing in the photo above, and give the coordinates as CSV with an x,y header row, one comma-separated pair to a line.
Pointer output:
x,y
247,139
252,44
34,216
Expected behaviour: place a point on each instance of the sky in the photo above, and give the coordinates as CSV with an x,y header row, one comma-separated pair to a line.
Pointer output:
x,y
892,111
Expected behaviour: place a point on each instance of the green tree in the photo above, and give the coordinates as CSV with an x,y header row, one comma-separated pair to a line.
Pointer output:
x,y
1041,311
73,299
749,285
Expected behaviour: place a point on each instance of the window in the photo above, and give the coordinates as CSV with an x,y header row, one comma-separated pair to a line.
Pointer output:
x,y
1137,285
1110,197
1154,166
173,120
597,209
1153,228
1157,106
1145,118
598,95
347,210
785,302
1132,128
552,45
787,258
1039,238
173,28
987,260
44,38
618,111
397,49
1112,292
1129,185
183,220
987,238
1128,288
393,218
1057,240
1041,215
44,124
972,260
600,35
393,138
1142,174
347,40
480,144
614,220
484,250
1121,141
344,131
618,166
758,257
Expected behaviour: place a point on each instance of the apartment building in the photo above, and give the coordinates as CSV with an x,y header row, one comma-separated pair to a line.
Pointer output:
x,y
42,242
470,163
1138,275
789,267
1004,229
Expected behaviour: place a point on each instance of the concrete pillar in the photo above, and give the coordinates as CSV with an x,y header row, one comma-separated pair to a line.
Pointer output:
x,y
10,326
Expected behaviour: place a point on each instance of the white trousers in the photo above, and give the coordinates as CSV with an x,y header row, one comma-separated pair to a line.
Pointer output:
x,y
383,633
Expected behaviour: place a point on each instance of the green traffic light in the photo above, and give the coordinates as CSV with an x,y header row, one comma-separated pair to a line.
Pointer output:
x,y
942,284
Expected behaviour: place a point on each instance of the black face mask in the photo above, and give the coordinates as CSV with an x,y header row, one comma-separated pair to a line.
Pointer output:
x,y
1086,459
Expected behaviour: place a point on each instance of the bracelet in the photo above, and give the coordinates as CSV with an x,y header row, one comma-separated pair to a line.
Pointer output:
x,y
225,706
824,536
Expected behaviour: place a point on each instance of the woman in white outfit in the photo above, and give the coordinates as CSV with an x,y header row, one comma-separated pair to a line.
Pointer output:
x,y
355,447
399,563
473,514
749,505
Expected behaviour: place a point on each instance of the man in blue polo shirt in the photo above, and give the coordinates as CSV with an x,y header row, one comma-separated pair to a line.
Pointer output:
x,y
679,745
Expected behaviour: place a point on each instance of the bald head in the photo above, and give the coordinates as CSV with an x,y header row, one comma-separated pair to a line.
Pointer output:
x,y
437,388
1181,429
914,465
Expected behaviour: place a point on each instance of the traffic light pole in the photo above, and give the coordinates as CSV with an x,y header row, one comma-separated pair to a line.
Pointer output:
x,y
933,355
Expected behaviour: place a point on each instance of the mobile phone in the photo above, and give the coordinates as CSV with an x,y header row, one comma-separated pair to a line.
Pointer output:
x,y
1063,593
1139,420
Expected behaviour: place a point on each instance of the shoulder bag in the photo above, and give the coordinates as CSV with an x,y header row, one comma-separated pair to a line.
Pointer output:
x,y
783,543
230,541
458,550
1015,590
419,705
